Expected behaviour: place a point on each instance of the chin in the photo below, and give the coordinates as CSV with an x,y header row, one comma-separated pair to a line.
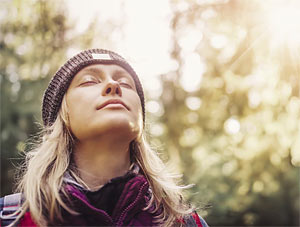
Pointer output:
x,y
118,125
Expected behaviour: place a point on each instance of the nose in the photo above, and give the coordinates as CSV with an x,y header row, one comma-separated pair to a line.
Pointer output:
x,y
112,88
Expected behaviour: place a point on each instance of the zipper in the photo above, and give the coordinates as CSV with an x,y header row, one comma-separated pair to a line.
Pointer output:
x,y
121,219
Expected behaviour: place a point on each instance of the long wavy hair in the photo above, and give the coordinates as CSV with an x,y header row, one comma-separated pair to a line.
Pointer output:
x,y
46,163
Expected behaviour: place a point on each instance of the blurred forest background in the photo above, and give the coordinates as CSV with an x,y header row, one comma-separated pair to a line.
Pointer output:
x,y
233,129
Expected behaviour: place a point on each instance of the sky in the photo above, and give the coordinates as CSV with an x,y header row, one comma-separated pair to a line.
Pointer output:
x,y
145,38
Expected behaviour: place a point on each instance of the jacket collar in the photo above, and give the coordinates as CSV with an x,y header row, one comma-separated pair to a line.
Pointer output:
x,y
70,180
133,199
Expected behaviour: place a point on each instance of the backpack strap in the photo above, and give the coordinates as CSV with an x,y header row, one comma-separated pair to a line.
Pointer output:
x,y
199,220
10,204
194,220
189,221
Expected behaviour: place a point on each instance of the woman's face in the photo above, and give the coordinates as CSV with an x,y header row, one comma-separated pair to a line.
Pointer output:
x,y
90,103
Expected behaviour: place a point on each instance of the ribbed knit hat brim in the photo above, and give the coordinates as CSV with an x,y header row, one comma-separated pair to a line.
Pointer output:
x,y
61,81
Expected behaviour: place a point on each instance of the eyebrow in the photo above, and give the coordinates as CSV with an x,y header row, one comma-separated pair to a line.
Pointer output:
x,y
123,73
118,73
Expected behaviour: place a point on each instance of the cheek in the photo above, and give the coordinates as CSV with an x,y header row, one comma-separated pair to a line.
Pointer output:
x,y
78,111
136,107
80,102
138,114
73,108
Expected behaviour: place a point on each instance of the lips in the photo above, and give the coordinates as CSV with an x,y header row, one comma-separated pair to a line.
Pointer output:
x,y
112,101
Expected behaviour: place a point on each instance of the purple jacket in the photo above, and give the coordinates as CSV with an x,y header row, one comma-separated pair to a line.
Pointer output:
x,y
120,202
127,202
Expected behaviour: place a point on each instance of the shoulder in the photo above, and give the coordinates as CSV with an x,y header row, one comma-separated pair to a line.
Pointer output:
x,y
199,220
194,220
10,204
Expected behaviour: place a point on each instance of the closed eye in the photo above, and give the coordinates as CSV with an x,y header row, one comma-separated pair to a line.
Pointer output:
x,y
126,85
90,82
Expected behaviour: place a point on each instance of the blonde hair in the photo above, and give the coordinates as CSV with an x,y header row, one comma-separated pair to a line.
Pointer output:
x,y
46,164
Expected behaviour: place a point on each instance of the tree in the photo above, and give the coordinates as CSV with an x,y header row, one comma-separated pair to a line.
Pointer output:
x,y
34,39
230,113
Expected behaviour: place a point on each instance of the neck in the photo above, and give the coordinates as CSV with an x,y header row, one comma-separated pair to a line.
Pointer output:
x,y
99,160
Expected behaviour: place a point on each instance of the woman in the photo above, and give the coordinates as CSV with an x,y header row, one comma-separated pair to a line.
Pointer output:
x,y
93,165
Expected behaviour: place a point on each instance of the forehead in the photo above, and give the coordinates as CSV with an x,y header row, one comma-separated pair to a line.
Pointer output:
x,y
104,69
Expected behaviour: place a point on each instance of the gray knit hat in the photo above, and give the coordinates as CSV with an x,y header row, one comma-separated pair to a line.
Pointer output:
x,y
62,79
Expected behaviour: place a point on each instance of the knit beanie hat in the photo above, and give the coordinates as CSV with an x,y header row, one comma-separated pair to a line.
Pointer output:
x,y
61,81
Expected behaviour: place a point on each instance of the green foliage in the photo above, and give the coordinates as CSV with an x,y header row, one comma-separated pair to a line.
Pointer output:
x,y
232,130
33,44
235,135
